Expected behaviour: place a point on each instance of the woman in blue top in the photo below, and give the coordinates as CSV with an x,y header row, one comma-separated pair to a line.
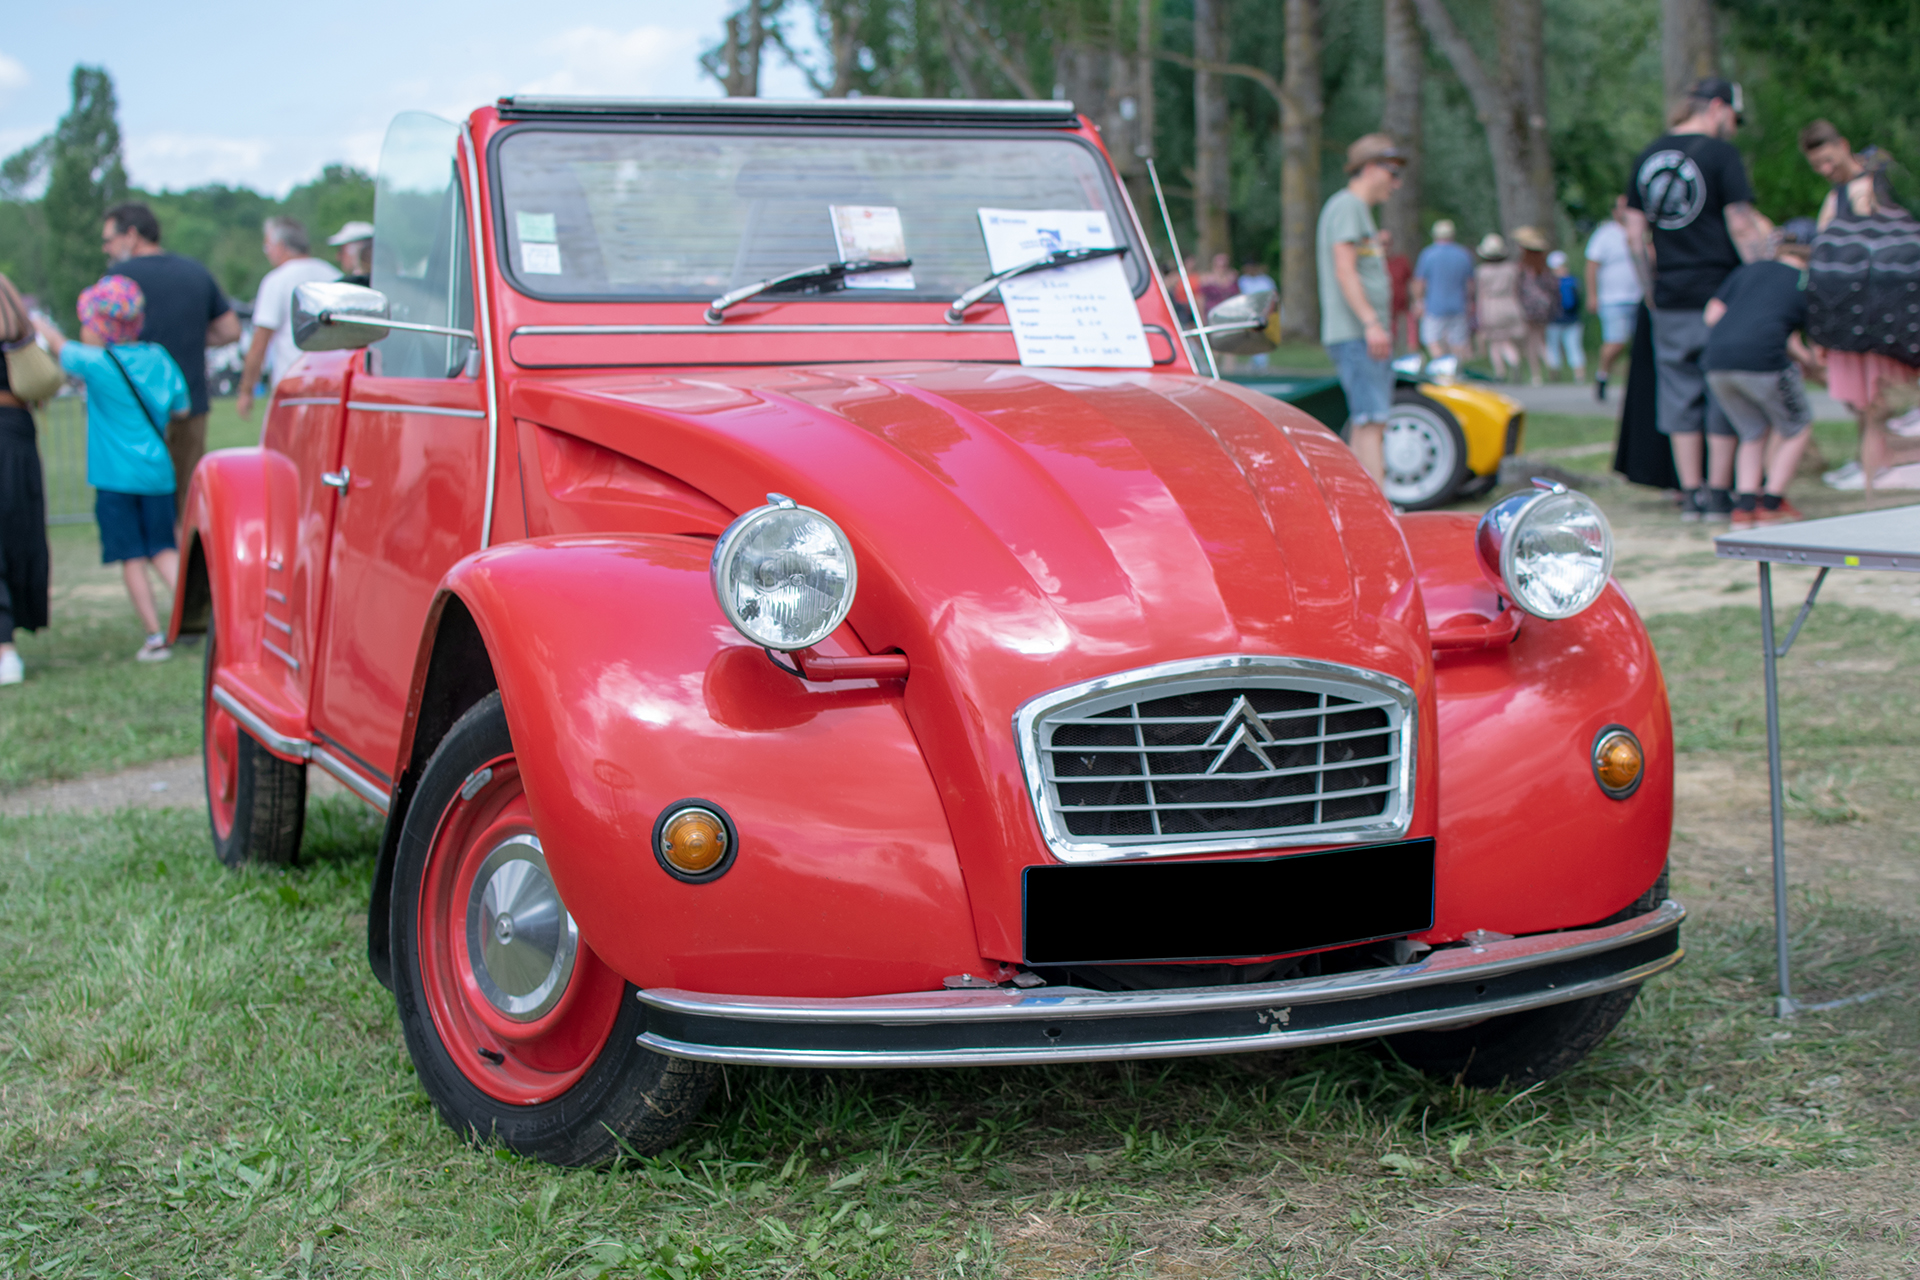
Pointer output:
x,y
133,389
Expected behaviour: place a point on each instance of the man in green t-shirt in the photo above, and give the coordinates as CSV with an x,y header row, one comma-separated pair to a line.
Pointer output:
x,y
1356,296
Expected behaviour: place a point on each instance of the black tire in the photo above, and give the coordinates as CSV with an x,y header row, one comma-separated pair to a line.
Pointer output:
x,y
259,799
626,1099
1426,452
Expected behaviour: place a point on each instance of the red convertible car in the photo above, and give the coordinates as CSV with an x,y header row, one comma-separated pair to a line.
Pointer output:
x,y
782,577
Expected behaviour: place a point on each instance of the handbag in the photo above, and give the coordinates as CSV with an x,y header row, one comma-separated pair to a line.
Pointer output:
x,y
138,398
1863,281
32,373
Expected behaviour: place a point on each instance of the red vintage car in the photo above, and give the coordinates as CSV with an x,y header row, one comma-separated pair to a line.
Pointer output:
x,y
770,643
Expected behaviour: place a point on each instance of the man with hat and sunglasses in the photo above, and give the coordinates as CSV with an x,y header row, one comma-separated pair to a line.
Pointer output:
x,y
1690,223
1356,295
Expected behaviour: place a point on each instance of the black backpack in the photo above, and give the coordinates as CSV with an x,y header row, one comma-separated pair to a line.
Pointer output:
x,y
1863,281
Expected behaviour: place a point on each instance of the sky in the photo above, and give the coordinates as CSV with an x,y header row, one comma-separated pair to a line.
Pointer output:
x,y
217,91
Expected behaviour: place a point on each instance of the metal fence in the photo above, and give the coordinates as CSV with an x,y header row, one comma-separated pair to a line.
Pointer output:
x,y
63,457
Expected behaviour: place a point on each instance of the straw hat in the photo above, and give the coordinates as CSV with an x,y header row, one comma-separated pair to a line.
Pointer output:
x,y
1530,238
1492,247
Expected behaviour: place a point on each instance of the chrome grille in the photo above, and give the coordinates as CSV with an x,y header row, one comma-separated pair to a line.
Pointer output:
x,y
1231,753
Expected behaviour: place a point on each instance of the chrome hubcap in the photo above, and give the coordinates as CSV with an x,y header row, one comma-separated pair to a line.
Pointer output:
x,y
1419,457
521,940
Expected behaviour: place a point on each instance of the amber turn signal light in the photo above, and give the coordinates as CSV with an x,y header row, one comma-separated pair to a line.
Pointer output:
x,y
1618,762
693,840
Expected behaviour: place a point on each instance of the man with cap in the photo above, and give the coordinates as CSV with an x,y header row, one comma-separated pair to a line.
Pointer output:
x,y
1690,222
355,243
1443,295
1356,295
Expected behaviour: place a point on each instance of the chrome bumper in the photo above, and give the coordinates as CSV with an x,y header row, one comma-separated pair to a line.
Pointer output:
x,y
1072,1024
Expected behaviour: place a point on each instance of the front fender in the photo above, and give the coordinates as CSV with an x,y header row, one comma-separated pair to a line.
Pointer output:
x,y
224,534
625,690
1528,842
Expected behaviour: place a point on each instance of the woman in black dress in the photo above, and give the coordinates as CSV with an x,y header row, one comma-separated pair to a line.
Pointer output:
x,y
23,502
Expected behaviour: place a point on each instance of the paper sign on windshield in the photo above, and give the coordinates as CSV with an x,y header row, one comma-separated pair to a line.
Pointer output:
x,y
871,233
1081,316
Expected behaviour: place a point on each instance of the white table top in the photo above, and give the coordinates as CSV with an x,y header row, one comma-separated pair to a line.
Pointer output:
x,y
1885,539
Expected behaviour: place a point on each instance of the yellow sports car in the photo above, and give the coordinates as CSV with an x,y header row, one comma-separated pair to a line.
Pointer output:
x,y
1446,436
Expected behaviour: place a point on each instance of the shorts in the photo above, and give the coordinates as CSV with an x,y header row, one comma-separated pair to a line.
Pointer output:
x,y
1367,382
1445,331
133,526
1855,378
1756,402
1569,340
1617,322
186,445
1684,407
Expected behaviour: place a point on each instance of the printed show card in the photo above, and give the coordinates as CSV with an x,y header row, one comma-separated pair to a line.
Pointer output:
x,y
1080,316
871,233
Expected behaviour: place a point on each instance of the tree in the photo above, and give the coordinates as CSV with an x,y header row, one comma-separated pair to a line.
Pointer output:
x,y
1300,174
1212,183
735,61
1402,68
1511,107
1688,48
85,176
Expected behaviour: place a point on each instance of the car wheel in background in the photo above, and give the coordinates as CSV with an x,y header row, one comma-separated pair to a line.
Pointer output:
x,y
520,1033
1425,452
1516,1049
256,802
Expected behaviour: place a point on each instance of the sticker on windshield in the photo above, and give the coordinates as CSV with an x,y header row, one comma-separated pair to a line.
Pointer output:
x,y
1078,316
535,228
871,233
540,259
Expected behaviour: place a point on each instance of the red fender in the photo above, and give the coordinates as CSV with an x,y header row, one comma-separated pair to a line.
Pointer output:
x,y
225,522
1528,840
626,690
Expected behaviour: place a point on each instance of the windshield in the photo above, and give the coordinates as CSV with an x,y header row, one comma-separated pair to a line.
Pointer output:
x,y
591,215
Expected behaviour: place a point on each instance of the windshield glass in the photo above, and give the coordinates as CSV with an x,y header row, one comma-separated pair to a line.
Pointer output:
x,y
638,214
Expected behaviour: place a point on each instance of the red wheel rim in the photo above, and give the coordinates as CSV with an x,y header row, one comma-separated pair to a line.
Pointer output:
x,y
221,737
489,920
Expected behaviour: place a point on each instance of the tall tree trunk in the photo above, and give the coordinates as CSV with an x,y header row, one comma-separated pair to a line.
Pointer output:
x,y
1300,174
735,62
1212,183
1511,109
1688,49
1406,57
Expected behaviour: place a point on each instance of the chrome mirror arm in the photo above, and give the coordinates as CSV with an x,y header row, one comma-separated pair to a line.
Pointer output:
x,y
361,317
957,309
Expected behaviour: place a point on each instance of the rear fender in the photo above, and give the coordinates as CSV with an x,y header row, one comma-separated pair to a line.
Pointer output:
x,y
223,571
626,690
1527,841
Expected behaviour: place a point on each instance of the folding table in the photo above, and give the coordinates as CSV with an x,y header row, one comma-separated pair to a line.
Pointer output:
x,y
1886,539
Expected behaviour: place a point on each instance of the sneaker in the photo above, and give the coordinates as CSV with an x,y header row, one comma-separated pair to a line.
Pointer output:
x,y
1718,507
1600,390
1777,515
1744,519
12,670
1693,505
154,650
1845,476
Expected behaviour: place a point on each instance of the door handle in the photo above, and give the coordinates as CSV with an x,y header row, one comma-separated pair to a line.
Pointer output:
x,y
337,480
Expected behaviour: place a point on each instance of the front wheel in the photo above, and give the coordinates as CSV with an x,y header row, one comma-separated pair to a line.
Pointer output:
x,y
1516,1049
1425,453
519,1032
256,802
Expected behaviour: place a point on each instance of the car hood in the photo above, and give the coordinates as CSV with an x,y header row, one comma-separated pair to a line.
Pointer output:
x,y
1019,530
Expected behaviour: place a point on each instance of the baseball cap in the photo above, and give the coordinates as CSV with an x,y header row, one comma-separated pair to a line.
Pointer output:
x,y
1797,231
1713,88
351,232
1373,148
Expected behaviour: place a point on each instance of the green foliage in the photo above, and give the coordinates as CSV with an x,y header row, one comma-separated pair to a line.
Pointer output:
x,y
84,177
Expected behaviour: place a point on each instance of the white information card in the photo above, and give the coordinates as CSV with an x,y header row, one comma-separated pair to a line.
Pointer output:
x,y
1078,316
871,233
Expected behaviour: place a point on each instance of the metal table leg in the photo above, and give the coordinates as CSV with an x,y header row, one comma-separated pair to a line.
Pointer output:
x,y
1784,1005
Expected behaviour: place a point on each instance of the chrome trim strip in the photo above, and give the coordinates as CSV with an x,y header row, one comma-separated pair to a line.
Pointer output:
x,y
1276,1037
589,330
272,621
279,597
1075,849
299,748
363,787
293,401
430,410
1052,1004
280,653
483,331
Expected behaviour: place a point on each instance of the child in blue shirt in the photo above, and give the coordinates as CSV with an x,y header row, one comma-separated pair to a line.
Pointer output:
x,y
133,389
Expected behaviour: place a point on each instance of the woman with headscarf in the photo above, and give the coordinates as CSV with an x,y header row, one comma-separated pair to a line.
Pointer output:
x,y
23,501
1496,293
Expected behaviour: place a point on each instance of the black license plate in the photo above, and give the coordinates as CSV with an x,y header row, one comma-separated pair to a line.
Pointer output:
x,y
1144,912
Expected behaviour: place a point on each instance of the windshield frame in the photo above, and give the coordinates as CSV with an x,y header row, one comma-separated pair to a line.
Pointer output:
x,y
1137,261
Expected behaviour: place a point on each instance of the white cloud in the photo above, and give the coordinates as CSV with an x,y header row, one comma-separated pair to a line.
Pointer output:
x,y
176,160
13,76
648,61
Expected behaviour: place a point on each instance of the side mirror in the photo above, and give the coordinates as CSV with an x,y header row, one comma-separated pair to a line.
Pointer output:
x,y
1443,367
1410,364
331,316
1238,326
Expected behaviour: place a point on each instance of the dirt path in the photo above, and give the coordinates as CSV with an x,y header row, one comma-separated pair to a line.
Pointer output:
x,y
168,784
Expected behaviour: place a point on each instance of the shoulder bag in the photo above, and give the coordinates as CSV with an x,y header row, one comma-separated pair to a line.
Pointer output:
x,y
32,374
138,398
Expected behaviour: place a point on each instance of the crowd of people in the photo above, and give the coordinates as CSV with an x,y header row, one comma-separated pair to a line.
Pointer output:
x,y
141,356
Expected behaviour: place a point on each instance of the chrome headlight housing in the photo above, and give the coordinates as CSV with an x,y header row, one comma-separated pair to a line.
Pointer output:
x,y
1551,549
784,575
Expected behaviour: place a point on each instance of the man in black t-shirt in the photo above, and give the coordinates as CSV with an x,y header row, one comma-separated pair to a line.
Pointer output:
x,y
1690,222
186,314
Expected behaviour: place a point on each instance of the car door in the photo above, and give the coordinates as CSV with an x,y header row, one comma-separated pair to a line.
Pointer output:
x,y
412,478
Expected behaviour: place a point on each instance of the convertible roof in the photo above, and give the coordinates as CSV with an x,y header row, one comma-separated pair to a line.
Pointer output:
x,y
831,111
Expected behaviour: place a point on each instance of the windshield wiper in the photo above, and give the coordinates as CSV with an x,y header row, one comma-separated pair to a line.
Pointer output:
x,y
804,278
957,309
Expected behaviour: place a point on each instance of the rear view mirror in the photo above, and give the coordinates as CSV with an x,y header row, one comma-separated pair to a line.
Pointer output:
x,y
331,316
1238,326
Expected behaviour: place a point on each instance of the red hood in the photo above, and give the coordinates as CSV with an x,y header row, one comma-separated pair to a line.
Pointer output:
x,y
1023,529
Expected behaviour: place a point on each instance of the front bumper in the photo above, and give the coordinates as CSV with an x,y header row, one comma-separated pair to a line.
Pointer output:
x,y
998,1026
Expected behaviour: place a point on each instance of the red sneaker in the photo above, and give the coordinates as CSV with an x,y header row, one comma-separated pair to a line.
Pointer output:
x,y
1784,512
1745,519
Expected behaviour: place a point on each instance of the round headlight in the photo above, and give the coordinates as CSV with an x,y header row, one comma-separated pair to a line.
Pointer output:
x,y
784,575
1551,549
